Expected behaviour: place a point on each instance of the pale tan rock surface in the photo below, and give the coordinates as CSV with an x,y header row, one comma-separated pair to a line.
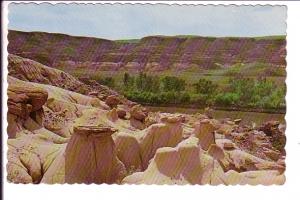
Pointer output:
x,y
189,164
157,136
91,157
204,130
185,164
128,151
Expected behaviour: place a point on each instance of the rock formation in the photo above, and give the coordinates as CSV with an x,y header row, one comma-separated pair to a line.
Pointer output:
x,y
204,130
91,156
167,134
187,163
137,117
58,134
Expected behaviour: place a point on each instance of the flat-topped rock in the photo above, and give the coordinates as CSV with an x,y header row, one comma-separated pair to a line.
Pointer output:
x,y
229,146
27,94
172,119
237,121
92,159
93,93
99,131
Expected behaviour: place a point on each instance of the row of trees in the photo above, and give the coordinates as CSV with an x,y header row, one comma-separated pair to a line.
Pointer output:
x,y
250,92
240,91
146,83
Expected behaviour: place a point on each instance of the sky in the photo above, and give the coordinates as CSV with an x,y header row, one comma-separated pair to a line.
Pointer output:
x,y
136,21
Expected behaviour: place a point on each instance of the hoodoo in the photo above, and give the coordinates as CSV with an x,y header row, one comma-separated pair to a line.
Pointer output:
x,y
91,156
204,131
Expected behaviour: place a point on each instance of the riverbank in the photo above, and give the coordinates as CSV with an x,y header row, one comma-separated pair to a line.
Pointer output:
x,y
247,117
228,108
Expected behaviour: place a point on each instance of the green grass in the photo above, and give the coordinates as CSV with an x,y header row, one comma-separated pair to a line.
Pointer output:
x,y
272,37
128,41
219,76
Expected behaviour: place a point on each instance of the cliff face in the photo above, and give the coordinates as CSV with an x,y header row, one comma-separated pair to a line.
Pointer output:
x,y
153,53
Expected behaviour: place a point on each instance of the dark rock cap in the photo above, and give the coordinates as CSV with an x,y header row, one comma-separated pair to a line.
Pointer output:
x,y
99,131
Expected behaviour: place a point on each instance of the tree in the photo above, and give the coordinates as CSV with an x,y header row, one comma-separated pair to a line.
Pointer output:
x,y
126,79
204,86
173,83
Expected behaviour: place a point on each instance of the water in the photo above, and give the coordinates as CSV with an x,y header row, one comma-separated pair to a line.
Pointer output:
x,y
247,117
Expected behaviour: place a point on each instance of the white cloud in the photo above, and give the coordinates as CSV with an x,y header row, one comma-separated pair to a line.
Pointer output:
x,y
135,21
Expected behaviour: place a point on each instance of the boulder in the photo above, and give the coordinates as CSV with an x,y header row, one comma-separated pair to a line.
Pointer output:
x,y
112,101
226,144
137,112
229,146
121,112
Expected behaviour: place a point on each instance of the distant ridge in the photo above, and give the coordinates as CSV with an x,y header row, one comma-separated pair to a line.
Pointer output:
x,y
151,53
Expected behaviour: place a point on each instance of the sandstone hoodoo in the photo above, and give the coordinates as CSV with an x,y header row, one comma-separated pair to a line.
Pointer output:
x,y
204,130
91,156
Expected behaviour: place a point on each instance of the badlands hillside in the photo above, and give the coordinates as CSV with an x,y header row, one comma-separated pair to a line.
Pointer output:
x,y
149,54
65,130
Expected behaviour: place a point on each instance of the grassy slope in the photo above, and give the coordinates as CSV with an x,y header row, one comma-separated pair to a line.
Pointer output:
x,y
220,76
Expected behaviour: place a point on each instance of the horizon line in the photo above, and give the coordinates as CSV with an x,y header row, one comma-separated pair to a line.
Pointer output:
x,y
159,35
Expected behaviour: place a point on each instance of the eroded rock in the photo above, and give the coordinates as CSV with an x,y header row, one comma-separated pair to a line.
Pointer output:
x,y
138,113
91,156
204,130
112,101
159,135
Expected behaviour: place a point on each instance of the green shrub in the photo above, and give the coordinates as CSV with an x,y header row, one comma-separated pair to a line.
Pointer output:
x,y
227,99
108,81
173,83
204,86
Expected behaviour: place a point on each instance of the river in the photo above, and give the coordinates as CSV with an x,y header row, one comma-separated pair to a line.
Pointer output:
x,y
247,117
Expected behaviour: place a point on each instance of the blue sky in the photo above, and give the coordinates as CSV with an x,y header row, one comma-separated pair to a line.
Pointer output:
x,y
135,21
